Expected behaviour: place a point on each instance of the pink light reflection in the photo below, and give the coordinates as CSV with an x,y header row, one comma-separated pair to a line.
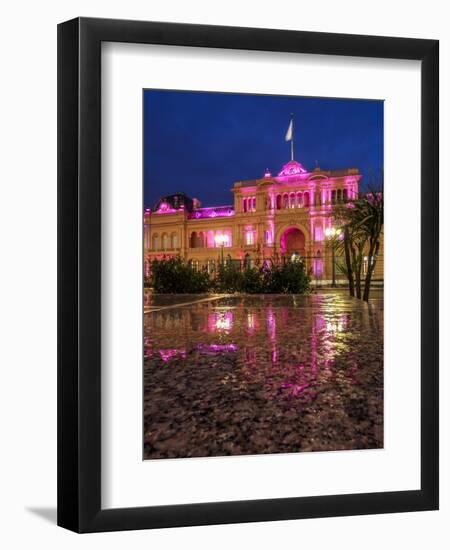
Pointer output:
x,y
167,354
217,348
220,321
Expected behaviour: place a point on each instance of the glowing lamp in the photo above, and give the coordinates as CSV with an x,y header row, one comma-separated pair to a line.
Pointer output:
x,y
220,240
331,232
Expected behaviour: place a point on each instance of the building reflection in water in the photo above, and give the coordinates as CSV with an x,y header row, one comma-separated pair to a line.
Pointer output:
x,y
290,349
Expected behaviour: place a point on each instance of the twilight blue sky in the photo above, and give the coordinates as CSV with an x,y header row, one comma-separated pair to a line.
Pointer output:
x,y
201,142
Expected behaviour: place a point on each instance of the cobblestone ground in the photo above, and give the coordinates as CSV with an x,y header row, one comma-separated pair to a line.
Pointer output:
x,y
262,374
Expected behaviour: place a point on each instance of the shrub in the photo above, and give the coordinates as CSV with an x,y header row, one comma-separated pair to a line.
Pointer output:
x,y
253,281
174,276
229,278
289,278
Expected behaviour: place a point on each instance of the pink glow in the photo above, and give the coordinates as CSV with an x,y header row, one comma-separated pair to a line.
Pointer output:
x,y
318,267
221,322
295,388
267,173
227,242
167,354
292,168
318,234
252,323
271,324
212,212
164,208
217,348
294,235
210,242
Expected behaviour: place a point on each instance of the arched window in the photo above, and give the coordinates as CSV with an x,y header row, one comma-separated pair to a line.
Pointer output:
x,y
155,241
201,239
339,195
285,200
174,240
244,205
194,239
333,196
278,202
165,241
345,195
299,199
210,243
292,200
306,199
254,204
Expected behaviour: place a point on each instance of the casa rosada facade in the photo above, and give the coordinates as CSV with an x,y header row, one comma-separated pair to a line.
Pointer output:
x,y
272,218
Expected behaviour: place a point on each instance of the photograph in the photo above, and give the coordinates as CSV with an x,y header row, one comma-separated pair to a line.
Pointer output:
x,y
263,274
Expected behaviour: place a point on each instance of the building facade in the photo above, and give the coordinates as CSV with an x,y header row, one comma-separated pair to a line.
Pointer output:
x,y
274,218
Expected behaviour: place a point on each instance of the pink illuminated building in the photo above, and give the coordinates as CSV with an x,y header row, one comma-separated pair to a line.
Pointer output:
x,y
278,218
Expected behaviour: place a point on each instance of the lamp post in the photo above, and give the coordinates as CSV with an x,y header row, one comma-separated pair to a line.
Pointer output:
x,y
220,241
331,233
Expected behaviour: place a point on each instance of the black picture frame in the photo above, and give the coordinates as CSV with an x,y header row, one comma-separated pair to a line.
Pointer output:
x,y
79,274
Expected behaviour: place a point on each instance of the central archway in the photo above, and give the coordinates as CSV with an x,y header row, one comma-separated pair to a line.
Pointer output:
x,y
293,242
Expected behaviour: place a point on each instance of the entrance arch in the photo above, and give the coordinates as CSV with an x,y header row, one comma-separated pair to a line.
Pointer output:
x,y
293,242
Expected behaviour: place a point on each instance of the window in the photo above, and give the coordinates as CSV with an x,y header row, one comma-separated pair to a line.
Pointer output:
x,y
285,200
210,242
174,240
299,199
292,200
333,196
339,195
165,241
194,240
249,237
278,202
268,236
249,204
318,233
155,241
345,195
306,199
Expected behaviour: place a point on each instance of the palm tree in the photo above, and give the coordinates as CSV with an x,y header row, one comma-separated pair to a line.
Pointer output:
x,y
362,223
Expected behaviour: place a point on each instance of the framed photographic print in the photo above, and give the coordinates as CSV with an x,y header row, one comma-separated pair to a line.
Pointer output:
x,y
248,275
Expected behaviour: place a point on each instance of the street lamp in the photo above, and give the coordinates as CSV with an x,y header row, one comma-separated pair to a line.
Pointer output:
x,y
331,233
220,241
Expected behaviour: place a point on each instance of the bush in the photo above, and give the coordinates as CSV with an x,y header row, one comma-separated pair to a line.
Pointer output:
x,y
289,278
253,281
229,278
174,276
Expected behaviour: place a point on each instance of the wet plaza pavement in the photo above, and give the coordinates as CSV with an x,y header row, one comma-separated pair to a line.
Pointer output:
x,y
258,374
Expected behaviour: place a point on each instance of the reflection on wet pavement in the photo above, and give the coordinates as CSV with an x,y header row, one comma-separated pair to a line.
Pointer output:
x,y
262,374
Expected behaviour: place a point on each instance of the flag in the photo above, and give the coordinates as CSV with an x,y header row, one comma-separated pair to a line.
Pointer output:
x,y
290,131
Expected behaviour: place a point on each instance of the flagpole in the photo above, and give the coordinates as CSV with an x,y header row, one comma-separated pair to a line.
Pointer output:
x,y
292,140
